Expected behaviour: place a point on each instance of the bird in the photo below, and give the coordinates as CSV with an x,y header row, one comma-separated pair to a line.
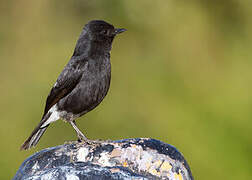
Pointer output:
x,y
83,83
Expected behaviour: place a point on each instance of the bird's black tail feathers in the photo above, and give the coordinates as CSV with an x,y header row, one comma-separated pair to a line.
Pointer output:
x,y
36,134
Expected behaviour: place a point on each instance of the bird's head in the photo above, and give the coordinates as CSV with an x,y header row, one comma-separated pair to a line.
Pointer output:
x,y
101,31
97,34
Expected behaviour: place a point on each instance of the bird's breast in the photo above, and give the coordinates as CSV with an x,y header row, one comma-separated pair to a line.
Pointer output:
x,y
91,89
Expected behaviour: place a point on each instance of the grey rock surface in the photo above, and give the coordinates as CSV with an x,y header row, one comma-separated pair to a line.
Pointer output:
x,y
140,158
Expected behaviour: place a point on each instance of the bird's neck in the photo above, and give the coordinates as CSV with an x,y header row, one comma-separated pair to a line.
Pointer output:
x,y
89,47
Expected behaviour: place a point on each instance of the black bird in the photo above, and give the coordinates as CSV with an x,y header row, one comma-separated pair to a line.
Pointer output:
x,y
84,81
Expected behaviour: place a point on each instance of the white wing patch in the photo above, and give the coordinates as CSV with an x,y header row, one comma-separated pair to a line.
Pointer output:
x,y
55,84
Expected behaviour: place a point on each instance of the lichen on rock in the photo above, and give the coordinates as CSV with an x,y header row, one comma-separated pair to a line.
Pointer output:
x,y
140,158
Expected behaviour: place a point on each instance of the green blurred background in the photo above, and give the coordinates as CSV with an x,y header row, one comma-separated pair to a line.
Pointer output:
x,y
181,74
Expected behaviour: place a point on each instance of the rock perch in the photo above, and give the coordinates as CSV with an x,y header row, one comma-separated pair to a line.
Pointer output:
x,y
141,158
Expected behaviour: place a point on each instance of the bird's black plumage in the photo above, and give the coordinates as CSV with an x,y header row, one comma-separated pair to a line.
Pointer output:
x,y
84,81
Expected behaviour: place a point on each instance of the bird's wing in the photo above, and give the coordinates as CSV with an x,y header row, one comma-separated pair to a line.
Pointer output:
x,y
65,83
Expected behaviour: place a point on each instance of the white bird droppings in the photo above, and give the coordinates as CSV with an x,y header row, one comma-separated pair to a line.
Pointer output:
x,y
82,154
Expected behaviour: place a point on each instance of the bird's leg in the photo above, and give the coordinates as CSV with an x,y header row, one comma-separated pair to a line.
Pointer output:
x,y
80,135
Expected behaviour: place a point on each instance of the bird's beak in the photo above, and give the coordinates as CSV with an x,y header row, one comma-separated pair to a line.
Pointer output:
x,y
119,30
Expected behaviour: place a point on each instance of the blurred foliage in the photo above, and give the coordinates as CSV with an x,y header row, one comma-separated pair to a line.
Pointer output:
x,y
181,74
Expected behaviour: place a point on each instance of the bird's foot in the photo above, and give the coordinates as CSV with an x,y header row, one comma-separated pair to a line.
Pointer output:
x,y
89,141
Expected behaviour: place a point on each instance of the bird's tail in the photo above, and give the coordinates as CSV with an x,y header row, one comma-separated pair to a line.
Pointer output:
x,y
36,134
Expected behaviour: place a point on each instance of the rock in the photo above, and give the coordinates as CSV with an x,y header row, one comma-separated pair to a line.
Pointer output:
x,y
124,159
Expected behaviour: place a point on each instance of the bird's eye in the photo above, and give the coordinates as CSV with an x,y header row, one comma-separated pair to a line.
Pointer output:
x,y
105,32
